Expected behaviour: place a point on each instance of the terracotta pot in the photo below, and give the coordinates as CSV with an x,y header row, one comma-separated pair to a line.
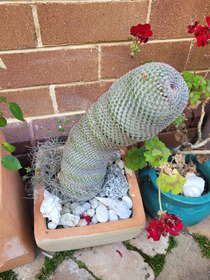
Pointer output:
x,y
91,235
16,237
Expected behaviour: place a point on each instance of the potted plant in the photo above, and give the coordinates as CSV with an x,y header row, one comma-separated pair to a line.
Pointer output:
x,y
161,193
121,117
16,241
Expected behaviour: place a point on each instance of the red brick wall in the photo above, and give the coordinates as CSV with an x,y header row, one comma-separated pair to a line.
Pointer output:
x,y
61,56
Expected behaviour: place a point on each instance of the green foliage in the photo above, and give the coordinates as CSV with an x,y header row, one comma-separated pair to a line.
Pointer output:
x,y
178,121
173,183
11,163
66,121
8,275
3,122
62,128
135,159
6,146
198,87
135,47
204,244
157,153
77,115
172,243
50,265
58,121
3,99
16,111
148,61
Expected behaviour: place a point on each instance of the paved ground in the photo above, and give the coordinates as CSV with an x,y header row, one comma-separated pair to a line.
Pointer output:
x,y
185,262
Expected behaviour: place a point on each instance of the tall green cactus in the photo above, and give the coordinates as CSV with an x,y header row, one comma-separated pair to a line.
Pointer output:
x,y
136,107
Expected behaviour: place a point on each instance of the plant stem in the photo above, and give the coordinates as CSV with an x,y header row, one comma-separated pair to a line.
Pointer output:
x,y
207,73
197,60
200,124
194,152
159,194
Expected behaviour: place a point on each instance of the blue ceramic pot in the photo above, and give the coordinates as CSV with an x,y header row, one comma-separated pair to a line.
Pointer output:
x,y
191,210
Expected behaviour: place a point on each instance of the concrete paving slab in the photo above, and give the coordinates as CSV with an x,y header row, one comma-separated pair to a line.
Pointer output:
x,y
202,228
30,270
185,262
106,263
70,270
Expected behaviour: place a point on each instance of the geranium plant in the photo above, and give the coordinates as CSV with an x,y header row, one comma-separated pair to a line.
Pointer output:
x,y
8,161
155,154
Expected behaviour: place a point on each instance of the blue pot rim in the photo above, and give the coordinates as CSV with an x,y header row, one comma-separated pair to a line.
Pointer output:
x,y
203,168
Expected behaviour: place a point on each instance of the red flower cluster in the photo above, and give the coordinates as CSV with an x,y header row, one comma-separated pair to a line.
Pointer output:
x,y
87,218
142,31
166,224
202,33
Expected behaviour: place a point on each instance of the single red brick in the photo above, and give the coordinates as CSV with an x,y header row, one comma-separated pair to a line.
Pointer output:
x,y
79,97
49,67
170,18
62,23
116,61
204,58
33,102
18,135
16,26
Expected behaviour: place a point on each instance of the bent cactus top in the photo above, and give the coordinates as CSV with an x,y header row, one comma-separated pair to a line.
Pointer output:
x,y
135,108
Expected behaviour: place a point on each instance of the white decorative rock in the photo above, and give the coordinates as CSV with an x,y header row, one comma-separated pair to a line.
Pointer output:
x,y
102,214
86,206
112,216
194,186
120,163
94,220
120,207
94,203
90,212
83,223
128,201
51,208
66,209
69,220
51,225
79,210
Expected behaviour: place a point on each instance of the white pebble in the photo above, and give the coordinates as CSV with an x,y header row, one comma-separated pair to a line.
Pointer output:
x,y
90,212
94,203
79,210
112,216
102,214
128,201
94,220
51,225
86,206
69,220
83,223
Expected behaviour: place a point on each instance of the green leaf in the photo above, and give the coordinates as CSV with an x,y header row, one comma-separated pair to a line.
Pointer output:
x,y
16,111
66,121
208,85
3,122
194,96
148,61
62,128
56,138
11,163
173,183
157,152
6,146
135,159
77,115
2,99
58,121
178,121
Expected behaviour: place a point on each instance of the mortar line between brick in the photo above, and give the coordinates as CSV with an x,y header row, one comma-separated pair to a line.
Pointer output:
x,y
99,62
36,24
149,11
89,45
53,98
61,1
188,55
58,85
29,119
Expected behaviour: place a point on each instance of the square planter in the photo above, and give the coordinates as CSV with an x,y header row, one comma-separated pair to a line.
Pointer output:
x,y
91,235
16,236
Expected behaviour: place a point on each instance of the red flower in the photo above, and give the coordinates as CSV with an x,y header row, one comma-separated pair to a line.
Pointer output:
x,y
142,31
87,218
192,28
202,33
166,224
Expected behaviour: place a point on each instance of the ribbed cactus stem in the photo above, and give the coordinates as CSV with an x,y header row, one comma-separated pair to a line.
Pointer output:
x,y
136,107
